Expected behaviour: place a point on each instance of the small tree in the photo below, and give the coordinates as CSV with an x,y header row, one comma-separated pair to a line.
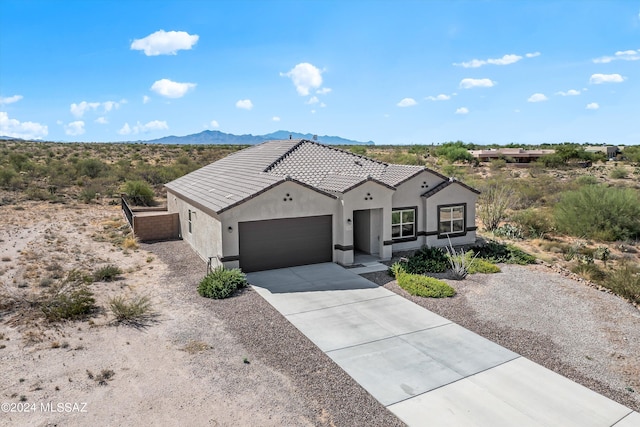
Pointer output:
x,y
496,198
138,192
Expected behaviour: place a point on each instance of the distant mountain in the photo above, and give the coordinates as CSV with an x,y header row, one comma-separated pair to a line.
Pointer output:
x,y
217,137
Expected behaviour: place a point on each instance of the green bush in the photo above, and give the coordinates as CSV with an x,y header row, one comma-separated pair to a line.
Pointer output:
x,y
222,283
138,192
618,173
70,304
624,281
586,180
533,223
509,231
395,269
483,266
426,260
499,252
424,286
107,273
599,212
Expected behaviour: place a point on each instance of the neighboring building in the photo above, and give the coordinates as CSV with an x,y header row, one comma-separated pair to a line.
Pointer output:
x,y
611,151
517,155
295,202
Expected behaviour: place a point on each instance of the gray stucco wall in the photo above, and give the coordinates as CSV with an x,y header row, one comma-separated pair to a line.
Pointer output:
x,y
453,194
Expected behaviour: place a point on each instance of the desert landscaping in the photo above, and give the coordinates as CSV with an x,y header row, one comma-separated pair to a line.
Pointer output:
x,y
181,359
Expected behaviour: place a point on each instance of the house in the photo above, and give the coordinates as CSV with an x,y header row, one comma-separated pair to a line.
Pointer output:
x,y
295,202
515,155
611,151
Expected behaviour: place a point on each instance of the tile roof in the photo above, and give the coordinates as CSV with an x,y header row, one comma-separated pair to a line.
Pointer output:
x,y
244,174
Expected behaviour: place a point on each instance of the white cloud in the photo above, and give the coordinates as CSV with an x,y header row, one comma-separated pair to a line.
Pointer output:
x,y
470,83
324,91
102,120
275,118
83,107
313,111
537,97
171,89
323,105
624,55
532,55
244,104
78,110
17,129
441,97
10,99
313,100
597,79
505,60
305,77
407,102
74,128
592,106
140,128
462,110
214,124
165,43
145,99
570,92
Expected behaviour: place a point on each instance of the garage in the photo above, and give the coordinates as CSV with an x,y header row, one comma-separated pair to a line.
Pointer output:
x,y
279,243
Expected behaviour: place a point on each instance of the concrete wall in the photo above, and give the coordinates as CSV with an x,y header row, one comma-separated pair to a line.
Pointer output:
x,y
206,228
159,226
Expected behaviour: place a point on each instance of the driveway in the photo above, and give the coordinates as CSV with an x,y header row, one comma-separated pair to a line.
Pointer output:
x,y
424,368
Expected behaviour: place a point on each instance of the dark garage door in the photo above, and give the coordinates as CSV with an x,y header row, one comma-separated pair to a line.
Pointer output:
x,y
280,243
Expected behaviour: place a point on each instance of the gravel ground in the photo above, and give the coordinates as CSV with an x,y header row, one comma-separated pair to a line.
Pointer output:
x,y
587,335
279,355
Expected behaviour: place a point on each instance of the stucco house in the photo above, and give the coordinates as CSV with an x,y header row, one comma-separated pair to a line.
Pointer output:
x,y
295,202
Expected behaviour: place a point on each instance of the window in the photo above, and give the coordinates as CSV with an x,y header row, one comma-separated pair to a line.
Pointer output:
x,y
451,220
403,223
189,221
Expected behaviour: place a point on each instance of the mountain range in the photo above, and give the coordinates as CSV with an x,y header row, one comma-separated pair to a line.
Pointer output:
x,y
217,137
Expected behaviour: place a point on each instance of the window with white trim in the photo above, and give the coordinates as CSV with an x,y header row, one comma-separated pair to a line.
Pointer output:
x,y
451,220
403,223
190,221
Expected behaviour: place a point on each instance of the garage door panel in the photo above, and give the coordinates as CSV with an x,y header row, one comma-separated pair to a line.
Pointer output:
x,y
286,242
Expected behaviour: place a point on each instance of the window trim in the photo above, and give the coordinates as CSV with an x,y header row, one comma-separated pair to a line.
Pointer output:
x,y
189,222
402,238
463,232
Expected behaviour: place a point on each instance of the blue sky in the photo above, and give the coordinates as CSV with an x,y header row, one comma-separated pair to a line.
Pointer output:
x,y
395,72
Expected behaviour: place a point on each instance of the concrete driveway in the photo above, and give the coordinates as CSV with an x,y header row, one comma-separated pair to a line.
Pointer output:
x,y
424,368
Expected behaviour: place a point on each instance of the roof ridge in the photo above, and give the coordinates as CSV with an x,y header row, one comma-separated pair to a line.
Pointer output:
x,y
285,155
303,141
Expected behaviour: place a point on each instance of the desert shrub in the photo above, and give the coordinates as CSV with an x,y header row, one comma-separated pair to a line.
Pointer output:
x,y
107,273
589,271
134,311
600,213
618,173
454,152
222,283
7,174
497,164
483,266
509,231
130,242
395,269
90,167
624,281
459,262
69,304
426,260
533,223
499,252
138,192
424,286
586,180
494,201
87,195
